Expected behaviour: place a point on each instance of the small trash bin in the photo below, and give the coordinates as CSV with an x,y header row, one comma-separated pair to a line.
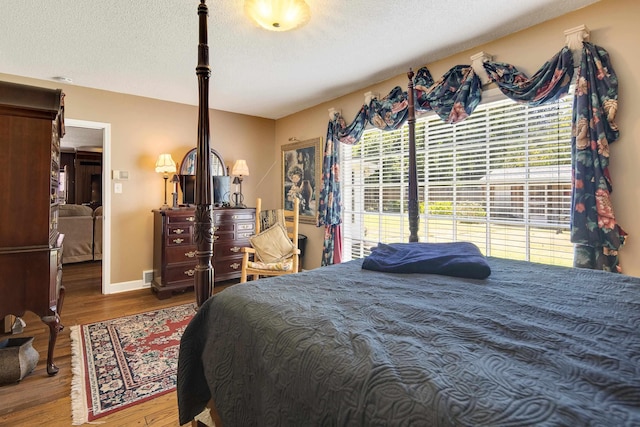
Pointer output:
x,y
302,244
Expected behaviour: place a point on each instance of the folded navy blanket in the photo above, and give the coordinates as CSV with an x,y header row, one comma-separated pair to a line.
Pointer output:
x,y
458,259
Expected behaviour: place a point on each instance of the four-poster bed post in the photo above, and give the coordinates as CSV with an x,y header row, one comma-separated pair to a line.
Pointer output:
x,y
203,232
413,175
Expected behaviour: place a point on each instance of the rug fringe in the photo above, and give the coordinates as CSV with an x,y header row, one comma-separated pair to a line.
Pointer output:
x,y
79,413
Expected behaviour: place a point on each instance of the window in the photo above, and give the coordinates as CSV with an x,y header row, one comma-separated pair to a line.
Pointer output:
x,y
500,179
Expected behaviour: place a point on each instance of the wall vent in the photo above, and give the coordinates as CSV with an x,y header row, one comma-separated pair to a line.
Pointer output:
x,y
147,277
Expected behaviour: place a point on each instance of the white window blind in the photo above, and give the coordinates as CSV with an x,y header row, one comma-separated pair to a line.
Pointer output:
x,y
500,179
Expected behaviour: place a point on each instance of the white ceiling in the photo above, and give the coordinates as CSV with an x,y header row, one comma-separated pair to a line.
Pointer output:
x,y
149,47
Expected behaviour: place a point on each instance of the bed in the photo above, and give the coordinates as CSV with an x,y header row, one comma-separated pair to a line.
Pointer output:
x,y
531,344
345,346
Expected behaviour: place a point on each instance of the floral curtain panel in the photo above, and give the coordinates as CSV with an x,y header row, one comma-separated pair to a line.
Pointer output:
x,y
594,230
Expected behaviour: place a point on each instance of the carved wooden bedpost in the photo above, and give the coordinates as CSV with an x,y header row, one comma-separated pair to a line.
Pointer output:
x,y
203,232
413,174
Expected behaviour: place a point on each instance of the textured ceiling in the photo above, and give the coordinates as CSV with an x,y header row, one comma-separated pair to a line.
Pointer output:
x,y
149,47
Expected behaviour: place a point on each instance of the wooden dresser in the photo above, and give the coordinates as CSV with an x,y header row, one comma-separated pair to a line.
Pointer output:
x,y
174,249
31,125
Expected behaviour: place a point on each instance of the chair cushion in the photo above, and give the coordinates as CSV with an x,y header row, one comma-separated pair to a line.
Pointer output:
x,y
286,265
273,244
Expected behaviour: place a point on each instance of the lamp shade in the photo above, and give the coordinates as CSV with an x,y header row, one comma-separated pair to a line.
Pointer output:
x,y
165,164
240,168
278,15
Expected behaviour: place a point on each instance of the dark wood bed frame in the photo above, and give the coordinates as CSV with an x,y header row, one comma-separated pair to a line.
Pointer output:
x,y
203,232
204,196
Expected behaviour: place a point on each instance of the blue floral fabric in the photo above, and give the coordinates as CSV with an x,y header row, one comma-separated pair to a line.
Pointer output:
x,y
390,112
453,97
421,83
550,83
594,229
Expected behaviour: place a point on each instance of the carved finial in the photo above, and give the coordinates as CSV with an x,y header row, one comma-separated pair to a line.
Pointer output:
x,y
410,74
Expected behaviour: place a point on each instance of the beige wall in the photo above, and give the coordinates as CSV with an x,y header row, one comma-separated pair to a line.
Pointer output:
x,y
142,128
613,25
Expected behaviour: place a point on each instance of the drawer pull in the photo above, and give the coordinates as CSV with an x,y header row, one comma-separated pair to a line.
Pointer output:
x,y
235,216
235,249
244,234
190,273
215,238
178,231
178,240
215,229
235,265
190,254
245,226
190,218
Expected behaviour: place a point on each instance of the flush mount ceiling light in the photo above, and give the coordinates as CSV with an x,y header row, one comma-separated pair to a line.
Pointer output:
x,y
278,15
63,79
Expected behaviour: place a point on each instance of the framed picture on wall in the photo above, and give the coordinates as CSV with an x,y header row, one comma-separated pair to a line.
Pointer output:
x,y
301,169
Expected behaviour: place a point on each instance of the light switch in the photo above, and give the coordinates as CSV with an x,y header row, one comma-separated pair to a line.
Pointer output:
x,y
117,187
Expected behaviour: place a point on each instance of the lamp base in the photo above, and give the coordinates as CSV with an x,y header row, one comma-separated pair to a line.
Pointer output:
x,y
238,198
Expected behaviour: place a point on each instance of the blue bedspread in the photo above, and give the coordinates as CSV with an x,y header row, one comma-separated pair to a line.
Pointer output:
x,y
457,259
534,345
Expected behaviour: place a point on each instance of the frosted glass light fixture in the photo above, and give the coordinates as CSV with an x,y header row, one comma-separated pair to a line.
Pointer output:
x,y
278,15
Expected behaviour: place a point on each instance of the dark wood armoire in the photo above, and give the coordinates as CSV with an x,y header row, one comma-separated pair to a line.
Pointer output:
x,y
31,125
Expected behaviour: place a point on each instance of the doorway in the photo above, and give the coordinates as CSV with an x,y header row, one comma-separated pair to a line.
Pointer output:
x,y
93,136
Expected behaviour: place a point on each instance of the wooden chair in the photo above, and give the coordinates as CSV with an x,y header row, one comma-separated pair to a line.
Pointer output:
x,y
256,268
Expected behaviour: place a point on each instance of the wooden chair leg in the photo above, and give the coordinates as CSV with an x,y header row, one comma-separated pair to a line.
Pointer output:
x,y
245,262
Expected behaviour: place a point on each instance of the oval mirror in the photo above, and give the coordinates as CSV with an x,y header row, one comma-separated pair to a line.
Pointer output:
x,y
188,166
218,173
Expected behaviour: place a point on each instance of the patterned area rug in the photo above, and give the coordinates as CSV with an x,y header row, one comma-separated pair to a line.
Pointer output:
x,y
121,362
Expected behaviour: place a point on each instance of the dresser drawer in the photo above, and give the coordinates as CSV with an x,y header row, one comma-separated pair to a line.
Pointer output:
x,y
243,227
234,215
221,227
228,265
176,254
179,273
180,229
182,217
185,239
227,249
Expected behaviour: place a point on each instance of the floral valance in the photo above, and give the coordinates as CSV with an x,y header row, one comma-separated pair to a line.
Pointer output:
x,y
453,97
550,83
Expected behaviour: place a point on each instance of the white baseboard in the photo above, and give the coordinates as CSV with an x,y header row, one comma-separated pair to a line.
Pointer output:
x,y
133,285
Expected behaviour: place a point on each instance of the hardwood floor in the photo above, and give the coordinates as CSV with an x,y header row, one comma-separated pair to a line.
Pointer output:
x,y
41,400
